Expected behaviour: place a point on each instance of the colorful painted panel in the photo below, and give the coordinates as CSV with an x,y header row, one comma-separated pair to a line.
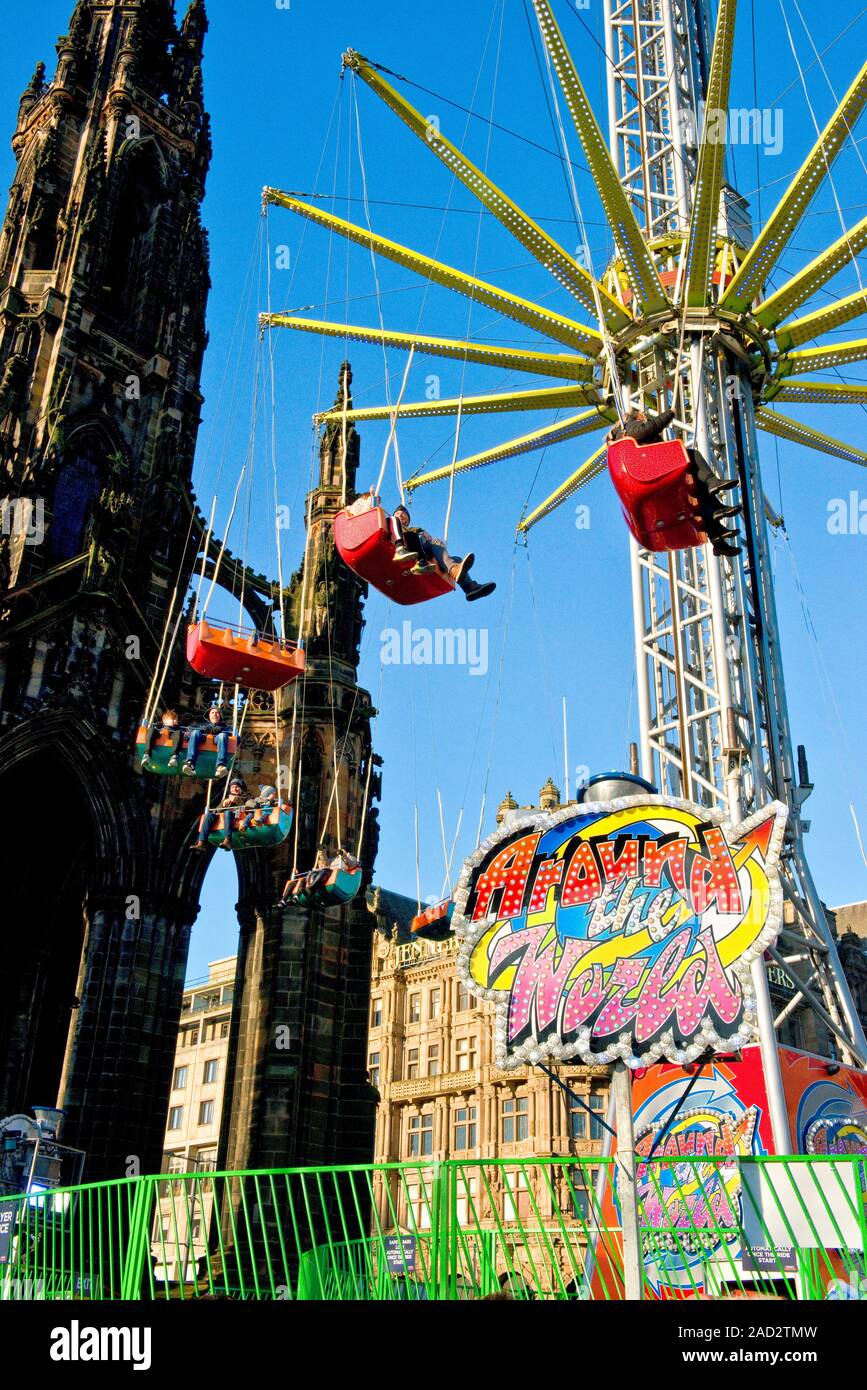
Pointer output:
x,y
623,930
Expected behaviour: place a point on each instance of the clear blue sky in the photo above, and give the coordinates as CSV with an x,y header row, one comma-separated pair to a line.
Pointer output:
x,y
282,117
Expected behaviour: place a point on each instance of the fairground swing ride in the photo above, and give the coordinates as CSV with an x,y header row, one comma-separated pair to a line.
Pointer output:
x,y
236,661
682,319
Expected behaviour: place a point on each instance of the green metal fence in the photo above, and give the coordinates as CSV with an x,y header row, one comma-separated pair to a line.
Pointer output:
x,y
534,1228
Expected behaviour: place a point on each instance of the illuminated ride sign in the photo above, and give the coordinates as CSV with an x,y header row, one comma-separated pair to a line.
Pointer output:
x,y
621,930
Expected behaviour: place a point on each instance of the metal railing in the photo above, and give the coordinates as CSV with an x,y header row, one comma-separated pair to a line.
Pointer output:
x,y
537,1228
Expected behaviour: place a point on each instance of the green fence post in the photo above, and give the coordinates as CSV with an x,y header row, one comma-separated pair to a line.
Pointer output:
x,y
138,1241
440,1229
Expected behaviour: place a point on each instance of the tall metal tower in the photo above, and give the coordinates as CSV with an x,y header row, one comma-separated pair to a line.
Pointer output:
x,y
714,723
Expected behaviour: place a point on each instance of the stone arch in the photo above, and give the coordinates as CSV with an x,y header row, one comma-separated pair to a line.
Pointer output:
x,y
80,477
131,269
66,813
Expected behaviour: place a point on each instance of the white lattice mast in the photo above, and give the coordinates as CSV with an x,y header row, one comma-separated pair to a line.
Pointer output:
x,y
713,717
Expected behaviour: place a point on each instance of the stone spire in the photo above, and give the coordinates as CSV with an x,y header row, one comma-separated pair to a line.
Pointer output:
x,y
507,804
549,796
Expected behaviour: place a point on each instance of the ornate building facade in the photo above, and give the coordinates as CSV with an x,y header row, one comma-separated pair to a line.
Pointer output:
x,y
431,1057
103,292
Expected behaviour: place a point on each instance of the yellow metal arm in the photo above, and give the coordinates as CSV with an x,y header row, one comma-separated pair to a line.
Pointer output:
x,y
785,428
701,243
590,468
552,256
540,439
802,286
562,330
821,359
549,398
812,326
514,359
815,393
629,239
775,236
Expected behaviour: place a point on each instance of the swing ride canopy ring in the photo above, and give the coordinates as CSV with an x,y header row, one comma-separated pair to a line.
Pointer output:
x,y
698,284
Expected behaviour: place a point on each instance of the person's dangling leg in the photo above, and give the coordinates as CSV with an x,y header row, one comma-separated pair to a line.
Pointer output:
x,y
222,741
175,746
205,826
195,743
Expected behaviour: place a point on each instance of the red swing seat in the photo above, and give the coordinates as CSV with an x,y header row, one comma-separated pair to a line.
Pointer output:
x,y
239,656
365,542
656,487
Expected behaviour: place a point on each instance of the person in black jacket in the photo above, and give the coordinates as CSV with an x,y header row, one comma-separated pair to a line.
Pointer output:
x,y
430,553
709,485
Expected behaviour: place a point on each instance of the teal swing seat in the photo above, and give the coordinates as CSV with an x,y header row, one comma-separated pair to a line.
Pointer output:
x,y
158,758
341,886
265,831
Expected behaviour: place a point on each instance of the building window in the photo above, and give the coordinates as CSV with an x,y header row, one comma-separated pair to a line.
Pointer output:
x,y
415,1008
176,1116
419,1207
180,1079
517,1205
196,1230
433,1059
466,1202
224,1030
597,1128
211,1072
373,1069
465,1053
516,1120
578,1119
376,1013
465,1000
411,1063
434,1004
189,1037
581,1183
465,1129
206,1112
217,1028
420,1129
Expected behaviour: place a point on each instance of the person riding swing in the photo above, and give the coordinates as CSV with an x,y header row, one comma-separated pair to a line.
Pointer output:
x,y
170,725
709,486
228,809
429,553
220,732
322,869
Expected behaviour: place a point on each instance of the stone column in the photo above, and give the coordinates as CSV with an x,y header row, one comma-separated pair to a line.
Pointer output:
x,y
118,1065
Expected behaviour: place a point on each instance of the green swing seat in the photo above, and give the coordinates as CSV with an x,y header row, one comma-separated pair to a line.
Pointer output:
x,y
264,833
341,886
158,759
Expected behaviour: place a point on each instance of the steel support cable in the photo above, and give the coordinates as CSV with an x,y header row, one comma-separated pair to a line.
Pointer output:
x,y
817,128
161,671
507,612
238,486
373,263
471,304
277,527
826,682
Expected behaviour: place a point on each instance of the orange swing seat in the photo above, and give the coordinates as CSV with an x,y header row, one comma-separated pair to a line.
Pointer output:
x,y
239,656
